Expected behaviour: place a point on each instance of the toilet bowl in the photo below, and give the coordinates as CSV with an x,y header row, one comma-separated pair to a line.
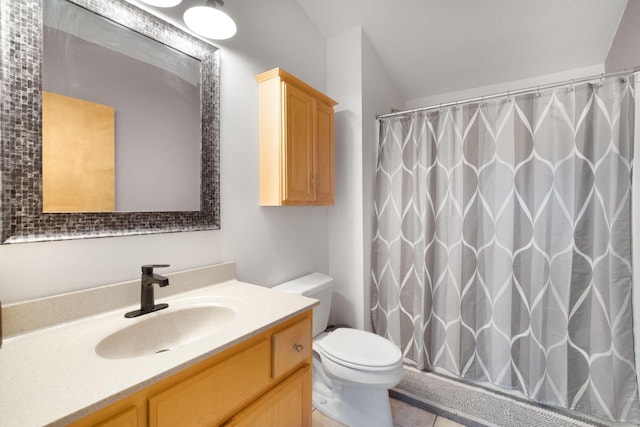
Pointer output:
x,y
352,369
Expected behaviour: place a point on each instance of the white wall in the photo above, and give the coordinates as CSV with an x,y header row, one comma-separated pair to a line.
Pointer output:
x,y
380,95
562,76
269,245
344,84
357,79
625,49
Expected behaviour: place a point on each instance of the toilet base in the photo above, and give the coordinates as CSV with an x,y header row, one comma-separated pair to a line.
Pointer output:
x,y
354,406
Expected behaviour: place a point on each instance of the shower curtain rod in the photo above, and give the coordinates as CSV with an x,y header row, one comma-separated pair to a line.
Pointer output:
x,y
509,93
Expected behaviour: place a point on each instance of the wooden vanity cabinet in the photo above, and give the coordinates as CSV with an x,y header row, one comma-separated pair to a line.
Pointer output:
x,y
264,380
296,125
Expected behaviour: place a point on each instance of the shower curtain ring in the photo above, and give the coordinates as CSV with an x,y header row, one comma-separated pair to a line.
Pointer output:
x,y
538,94
601,80
571,88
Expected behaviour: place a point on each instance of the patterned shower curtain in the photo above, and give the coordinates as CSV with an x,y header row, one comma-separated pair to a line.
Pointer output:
x,y
502,248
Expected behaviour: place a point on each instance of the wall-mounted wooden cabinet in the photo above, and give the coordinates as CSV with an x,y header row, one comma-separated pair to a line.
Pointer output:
x,y
296,142
265,381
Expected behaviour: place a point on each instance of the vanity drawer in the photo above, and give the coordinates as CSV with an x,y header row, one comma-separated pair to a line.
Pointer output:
x,y
216,393
291,347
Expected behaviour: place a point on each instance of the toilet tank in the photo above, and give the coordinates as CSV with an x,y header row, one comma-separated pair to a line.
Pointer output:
x,y
315,285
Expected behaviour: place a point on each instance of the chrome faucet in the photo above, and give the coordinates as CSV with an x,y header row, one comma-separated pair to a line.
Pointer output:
x,y
147,303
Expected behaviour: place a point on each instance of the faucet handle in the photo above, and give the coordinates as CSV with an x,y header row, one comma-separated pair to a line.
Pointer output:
x,y
148,269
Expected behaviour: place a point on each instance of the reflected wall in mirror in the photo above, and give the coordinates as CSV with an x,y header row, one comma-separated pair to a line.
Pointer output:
x,y
183,134
154,91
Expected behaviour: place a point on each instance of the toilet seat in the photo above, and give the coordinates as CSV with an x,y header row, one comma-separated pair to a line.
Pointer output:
x,y
359,350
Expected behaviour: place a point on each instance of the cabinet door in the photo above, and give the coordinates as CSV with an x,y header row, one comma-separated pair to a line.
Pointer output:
x,y
324,149
286,405
299,116
128,418
214,394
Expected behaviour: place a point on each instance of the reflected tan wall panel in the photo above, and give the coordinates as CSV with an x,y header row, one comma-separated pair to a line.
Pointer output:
x,y
78,155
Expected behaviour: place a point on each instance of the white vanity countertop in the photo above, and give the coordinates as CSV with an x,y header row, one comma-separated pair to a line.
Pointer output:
x,y
53,376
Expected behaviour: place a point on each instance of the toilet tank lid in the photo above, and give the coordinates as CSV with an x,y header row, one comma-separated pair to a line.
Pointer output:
x,y
306,285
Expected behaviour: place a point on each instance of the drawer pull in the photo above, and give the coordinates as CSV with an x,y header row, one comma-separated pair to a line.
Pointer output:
x,y
298,347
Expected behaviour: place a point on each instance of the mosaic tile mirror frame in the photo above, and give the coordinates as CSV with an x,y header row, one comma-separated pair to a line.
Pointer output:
x,y
22,218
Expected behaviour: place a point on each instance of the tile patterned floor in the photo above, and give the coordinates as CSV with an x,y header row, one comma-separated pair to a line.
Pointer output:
x,y
404,415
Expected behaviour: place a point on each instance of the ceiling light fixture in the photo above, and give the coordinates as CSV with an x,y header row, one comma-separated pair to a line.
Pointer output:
x,y
162,3
210,22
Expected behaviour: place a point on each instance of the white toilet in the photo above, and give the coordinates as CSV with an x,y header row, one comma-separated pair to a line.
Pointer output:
x,y
353,370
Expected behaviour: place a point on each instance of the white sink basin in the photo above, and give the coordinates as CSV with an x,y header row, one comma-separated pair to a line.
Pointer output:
x,y
165,330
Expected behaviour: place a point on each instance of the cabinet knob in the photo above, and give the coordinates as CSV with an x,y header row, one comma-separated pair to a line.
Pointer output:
x,y
298,347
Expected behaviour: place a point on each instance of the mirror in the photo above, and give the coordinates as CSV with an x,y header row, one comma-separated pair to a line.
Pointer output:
x,y
182,72
120,117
